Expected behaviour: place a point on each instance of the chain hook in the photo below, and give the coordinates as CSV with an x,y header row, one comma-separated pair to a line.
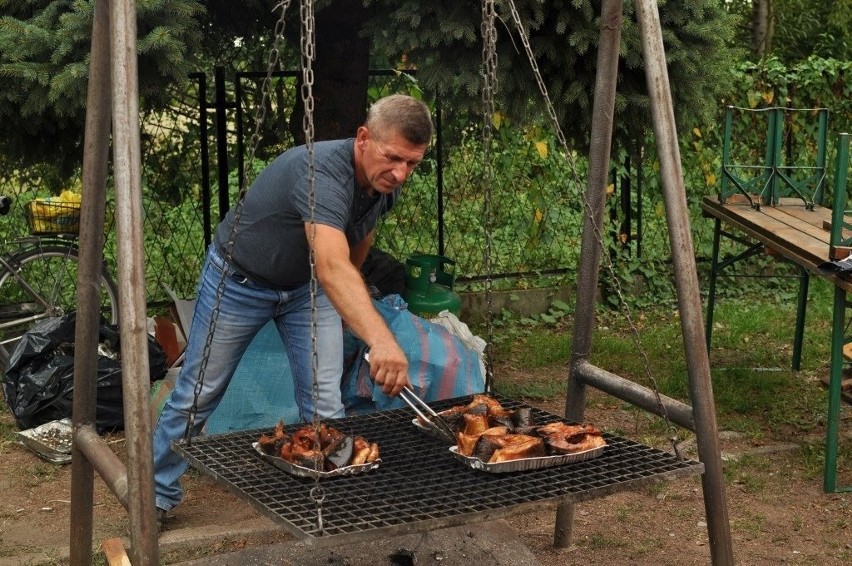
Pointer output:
x,y
318,495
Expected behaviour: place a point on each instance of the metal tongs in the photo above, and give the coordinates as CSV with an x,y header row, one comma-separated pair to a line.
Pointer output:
x,y
437,422
431,417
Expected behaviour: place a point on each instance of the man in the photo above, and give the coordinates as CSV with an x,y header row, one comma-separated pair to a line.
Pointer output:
x,y
261,257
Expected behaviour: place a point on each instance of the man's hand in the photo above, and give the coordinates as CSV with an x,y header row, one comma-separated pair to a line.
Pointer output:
x,y
389,367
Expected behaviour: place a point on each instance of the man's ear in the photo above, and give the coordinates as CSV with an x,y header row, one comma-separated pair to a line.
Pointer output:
x,y
361,136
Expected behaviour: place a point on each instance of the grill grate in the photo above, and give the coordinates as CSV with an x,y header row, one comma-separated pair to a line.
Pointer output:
x,y
419,485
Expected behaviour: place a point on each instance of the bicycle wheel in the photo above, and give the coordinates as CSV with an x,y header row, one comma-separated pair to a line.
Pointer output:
x,y
51,271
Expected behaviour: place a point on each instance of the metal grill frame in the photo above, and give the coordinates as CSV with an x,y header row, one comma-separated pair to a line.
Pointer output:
x,y
420,485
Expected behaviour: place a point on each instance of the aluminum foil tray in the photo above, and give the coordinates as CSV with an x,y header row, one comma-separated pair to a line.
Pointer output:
x,y
525,464
519,465
51,441
303,472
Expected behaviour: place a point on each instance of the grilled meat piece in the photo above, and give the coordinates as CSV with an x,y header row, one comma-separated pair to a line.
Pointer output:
x,y
364,452
475,424
272,444
466,443
490,440
566,429
491,404
516,447
329,435
311,459
374,453
562,438
501,417
454,417
306,438
323,448
457,417
579,442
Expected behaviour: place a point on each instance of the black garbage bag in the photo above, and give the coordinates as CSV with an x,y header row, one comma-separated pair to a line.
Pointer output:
x,y
384,272
39,381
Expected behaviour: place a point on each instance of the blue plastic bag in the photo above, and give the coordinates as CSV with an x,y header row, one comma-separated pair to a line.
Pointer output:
x,y
440,365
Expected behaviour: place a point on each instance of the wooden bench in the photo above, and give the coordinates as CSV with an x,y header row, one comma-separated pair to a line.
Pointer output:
x,y
790,231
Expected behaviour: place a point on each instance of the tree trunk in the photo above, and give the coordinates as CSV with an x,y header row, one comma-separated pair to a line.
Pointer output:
x,y
761,27
340,73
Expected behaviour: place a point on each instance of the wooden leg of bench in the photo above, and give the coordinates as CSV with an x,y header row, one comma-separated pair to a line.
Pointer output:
x,y
801,309
714,273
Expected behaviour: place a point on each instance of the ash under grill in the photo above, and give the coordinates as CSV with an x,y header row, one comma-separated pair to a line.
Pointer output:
x,y
420,485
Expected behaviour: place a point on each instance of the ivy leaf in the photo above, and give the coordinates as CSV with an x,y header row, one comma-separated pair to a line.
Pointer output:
x,y
753,98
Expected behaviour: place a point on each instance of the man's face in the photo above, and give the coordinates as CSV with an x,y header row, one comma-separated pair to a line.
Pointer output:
x,y
387,162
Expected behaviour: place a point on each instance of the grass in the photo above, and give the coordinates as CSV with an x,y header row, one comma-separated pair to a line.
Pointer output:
x,y
746,473
35,474
813,455
40,473
599,541
751,523
534,388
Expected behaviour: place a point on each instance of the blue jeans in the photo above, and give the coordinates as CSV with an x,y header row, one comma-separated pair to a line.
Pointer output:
x,y
244,308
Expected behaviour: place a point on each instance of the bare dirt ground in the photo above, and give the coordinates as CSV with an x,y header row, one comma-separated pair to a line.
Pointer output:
x,y
778,511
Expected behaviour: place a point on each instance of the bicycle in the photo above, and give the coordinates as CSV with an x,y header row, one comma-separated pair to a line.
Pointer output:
x,y
38,277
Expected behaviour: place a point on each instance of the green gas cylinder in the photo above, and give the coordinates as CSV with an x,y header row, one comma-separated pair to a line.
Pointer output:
x,y
429,283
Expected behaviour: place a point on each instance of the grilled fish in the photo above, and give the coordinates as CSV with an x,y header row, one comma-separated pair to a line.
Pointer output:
x,y
322,449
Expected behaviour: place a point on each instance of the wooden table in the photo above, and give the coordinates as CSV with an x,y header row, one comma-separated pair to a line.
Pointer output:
x,y
789,231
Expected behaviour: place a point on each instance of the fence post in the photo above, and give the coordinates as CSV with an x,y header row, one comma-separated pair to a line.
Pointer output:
x,y
220,105
205,156
439,151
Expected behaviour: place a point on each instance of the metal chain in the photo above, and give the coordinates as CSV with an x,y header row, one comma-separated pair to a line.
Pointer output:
x,y
260,117
308,49
489,69
673,436
308,127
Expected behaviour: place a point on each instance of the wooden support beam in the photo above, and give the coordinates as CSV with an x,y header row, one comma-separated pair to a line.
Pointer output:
x,y
114,552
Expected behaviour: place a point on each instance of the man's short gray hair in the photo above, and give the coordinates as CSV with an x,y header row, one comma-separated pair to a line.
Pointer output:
x,y
401,113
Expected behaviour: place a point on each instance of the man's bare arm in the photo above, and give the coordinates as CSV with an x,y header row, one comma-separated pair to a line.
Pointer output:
x,y
342,282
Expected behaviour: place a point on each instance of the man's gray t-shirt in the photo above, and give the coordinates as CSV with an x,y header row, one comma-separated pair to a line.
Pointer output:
x,y
271,246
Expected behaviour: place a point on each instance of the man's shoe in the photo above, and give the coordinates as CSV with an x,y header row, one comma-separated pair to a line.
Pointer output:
x,y
163,517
